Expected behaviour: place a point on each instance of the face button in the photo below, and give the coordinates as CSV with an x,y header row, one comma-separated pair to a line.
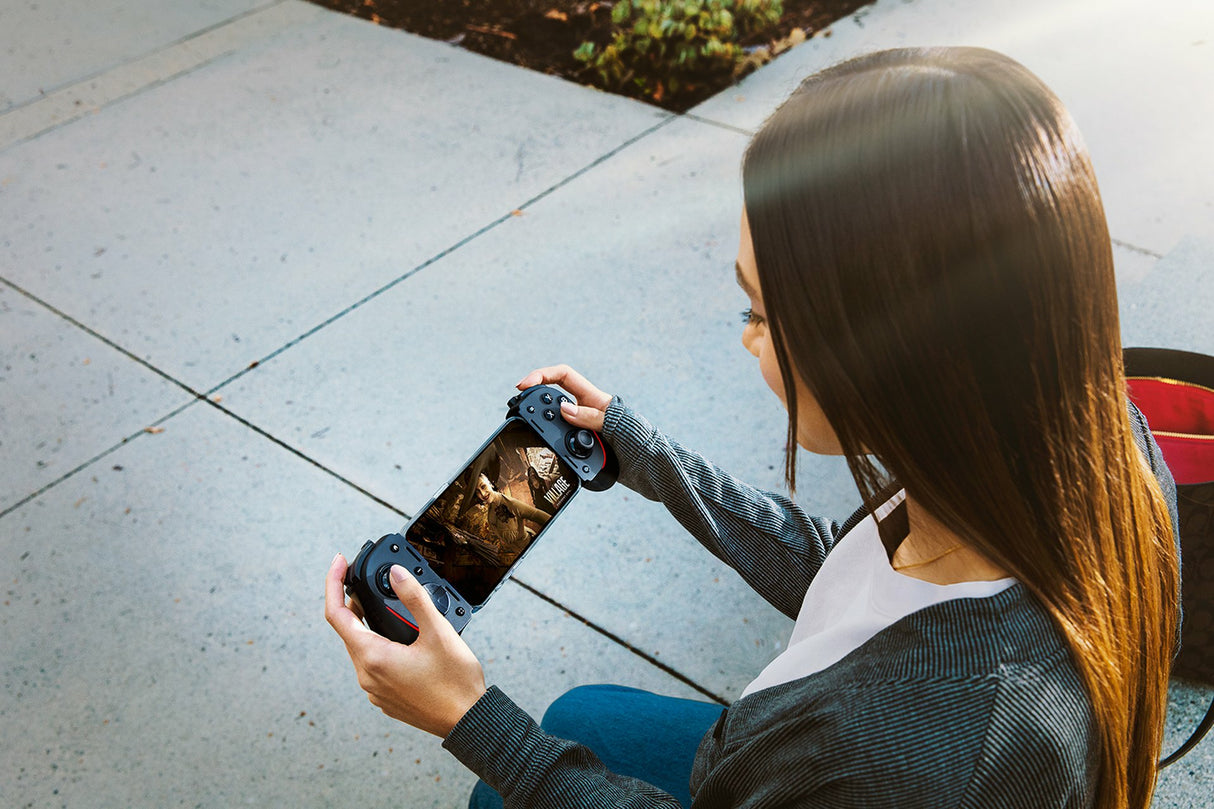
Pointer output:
x,y
439,596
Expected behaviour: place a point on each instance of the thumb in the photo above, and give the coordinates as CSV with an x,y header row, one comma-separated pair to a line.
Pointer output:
x,y
414,597
579,416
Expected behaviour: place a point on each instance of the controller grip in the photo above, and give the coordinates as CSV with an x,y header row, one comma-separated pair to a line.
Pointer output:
x,y
608,475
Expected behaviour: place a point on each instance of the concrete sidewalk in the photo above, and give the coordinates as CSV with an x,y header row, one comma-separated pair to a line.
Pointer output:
x,y
270,273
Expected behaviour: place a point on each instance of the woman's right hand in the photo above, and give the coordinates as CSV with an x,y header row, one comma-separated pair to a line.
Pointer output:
x,y
591,402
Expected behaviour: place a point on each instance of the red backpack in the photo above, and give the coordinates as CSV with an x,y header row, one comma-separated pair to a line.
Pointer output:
x,y
1175,391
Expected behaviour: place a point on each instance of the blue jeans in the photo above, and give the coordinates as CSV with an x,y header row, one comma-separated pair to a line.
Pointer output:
x,y
633,732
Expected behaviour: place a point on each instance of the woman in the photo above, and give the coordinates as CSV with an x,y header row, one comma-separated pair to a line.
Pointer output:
x,y
932,296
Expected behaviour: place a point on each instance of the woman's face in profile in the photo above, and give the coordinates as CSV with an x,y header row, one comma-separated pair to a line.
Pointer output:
x,y
814,432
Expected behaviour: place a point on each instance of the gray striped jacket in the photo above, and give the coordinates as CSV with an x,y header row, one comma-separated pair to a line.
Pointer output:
x,y
969,703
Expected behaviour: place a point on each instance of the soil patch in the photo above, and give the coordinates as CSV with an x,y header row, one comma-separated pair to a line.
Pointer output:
x,y
543,34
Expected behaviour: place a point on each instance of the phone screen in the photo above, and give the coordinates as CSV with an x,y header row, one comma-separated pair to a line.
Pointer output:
x,y
482,523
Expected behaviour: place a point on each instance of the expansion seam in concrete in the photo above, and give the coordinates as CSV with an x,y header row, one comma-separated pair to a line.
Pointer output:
x,y
97,335
1133,248
440,255
44,93
196,397
85,465
206,397
80,98
691,116
653,661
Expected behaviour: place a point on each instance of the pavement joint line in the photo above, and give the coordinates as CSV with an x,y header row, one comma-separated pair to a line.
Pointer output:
x,y
442,254
43,93
98,336
106,452
719,124
1133,248
205,396
617,639
529,588
609,635
303,456
88,96
13,136
196,397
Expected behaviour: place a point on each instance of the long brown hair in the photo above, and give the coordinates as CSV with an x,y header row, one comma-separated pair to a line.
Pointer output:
x,y
936,269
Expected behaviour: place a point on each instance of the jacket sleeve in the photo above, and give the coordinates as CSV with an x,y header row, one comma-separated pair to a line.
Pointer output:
x,y
503,745
764,536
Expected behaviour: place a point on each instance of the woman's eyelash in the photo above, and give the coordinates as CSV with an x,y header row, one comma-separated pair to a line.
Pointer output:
x,y
749,317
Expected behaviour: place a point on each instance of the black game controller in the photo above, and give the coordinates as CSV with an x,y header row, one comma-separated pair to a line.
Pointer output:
x,y
584,451
367,580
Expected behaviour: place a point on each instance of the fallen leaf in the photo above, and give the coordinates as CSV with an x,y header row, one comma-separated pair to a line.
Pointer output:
x,y
153,430
553,14
375,18
481,29
516,212
216,398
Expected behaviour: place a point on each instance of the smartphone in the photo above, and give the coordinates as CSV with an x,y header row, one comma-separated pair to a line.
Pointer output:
x,y
480,525
465,542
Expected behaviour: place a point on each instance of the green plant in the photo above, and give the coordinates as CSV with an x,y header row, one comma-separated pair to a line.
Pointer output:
x,y
660,47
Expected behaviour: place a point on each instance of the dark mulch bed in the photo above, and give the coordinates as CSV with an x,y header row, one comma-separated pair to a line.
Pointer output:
x,y
543,34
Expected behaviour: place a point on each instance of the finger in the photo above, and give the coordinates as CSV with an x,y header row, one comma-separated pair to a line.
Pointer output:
x,y
339,616
581,388
356,607
588,417
531,380
415,599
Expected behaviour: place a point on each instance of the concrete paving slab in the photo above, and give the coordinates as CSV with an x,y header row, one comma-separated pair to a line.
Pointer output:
x,y
205,223
1172,305
396,395
165,642
65,397
44,46
88,96
1188,783
1135,80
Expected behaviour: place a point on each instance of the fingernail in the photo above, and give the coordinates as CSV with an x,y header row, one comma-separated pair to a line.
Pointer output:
x,y
569,408
397,573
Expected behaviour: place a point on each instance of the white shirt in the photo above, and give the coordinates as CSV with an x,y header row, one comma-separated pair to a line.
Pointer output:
x,y
855,595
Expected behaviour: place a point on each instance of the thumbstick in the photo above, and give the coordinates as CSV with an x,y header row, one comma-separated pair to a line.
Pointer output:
x,y
581,443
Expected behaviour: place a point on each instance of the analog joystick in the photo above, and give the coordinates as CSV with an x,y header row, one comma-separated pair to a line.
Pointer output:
x,y
580,443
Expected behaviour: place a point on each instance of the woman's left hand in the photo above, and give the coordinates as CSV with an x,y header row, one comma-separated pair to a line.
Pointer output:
x,y
429,684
